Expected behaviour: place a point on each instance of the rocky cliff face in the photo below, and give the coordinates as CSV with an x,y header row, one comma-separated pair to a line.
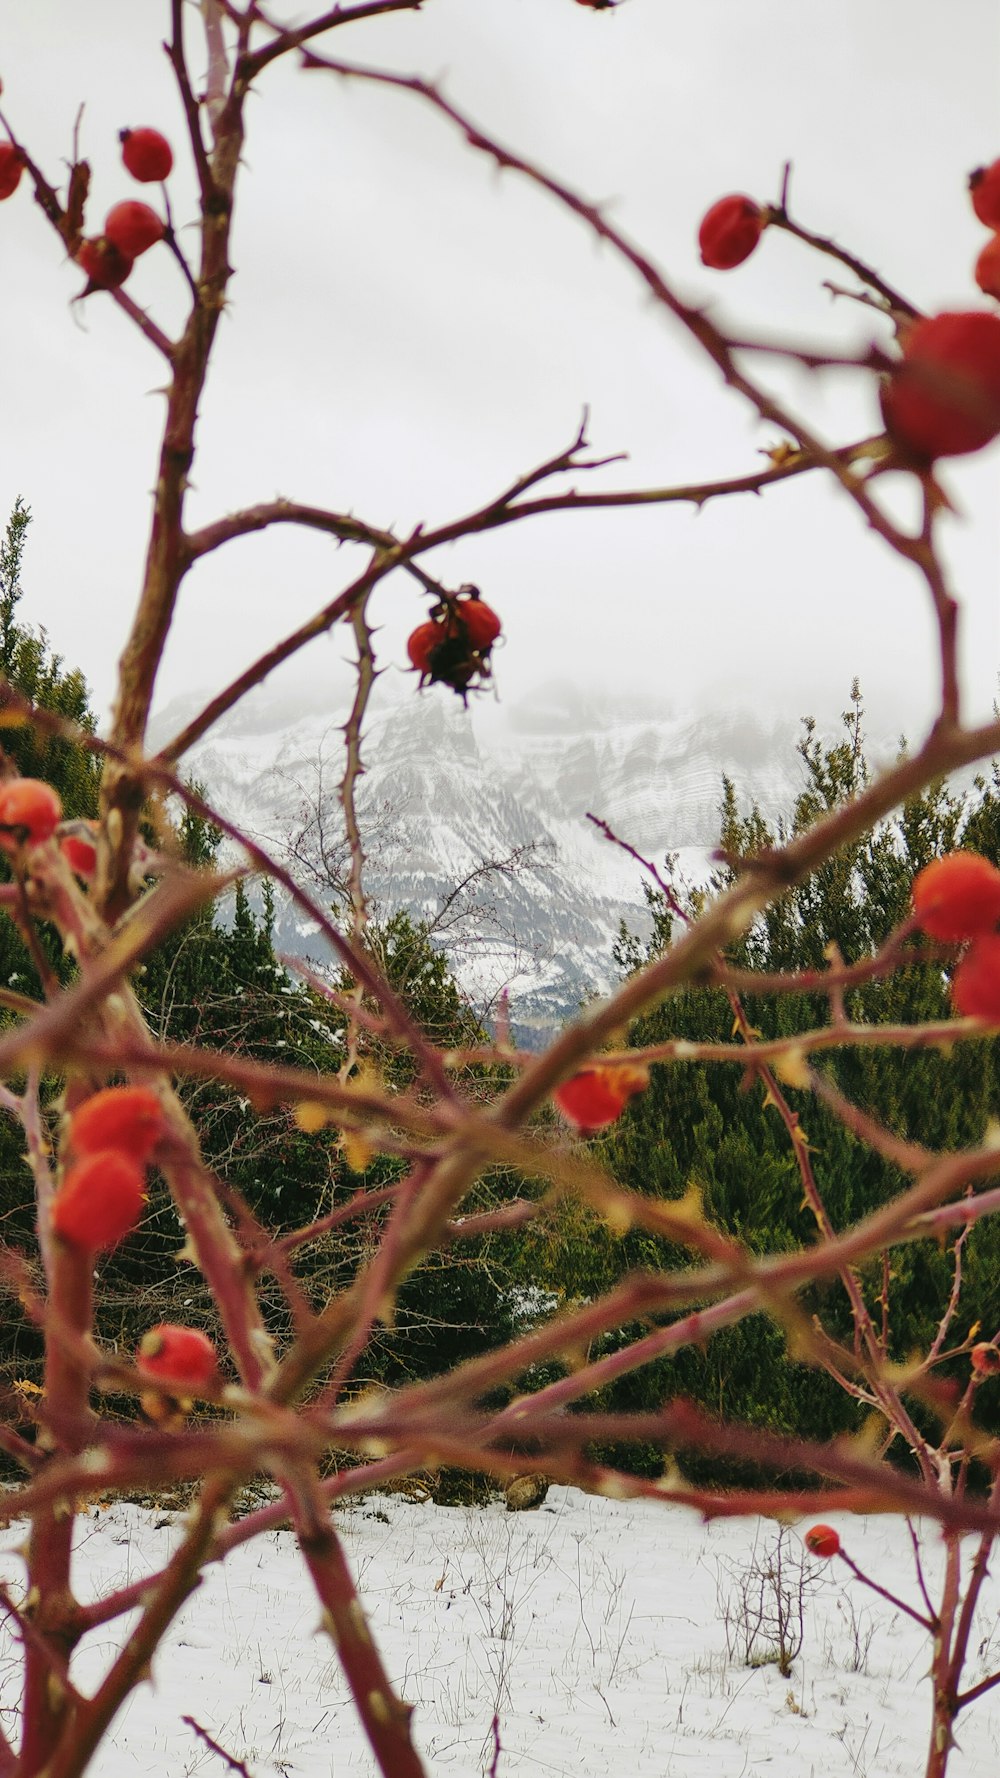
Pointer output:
x,y
448,791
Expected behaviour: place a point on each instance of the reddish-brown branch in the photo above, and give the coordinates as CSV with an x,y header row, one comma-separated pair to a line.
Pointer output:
x,y
976,1691
353,770
386,1719
967,1210
161,1599
325,21
951,1307
376,1286
707,335
928,1622
46,1706
506,509
175,50
235,1765
942,1678
963,1629
778,217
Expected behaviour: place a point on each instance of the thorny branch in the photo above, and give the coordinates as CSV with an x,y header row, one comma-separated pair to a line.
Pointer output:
x,y
445,1136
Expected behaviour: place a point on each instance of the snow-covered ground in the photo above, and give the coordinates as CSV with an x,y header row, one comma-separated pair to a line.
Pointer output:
x,y
596,1631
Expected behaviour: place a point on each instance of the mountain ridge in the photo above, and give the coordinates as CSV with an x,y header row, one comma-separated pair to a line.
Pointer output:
x,y
447,791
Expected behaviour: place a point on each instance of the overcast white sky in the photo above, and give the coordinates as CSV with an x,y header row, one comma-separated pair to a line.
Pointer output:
x,y
409,331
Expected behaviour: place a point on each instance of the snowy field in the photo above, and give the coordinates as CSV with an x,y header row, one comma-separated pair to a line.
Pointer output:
x,y
606,1638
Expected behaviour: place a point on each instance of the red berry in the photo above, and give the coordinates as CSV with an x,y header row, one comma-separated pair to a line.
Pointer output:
x,y
421,645
129,1119
975,985
105,264
11,168
957,896
80,854
481,622
147,155
730,231
943,398
30,808
822,1540
181,1356
597,1096
988,268
985,1358
453,648
133,227
984,186
99,1201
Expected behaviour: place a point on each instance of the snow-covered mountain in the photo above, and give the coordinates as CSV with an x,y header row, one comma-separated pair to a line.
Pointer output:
x,y
448,791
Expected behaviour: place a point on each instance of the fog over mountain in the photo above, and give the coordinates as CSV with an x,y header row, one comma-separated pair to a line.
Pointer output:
x,y
448,791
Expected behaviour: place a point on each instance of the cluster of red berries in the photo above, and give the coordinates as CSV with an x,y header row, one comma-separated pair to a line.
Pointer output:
x,y
30,812
597,1096
984,189
113,1134
957,899
112,1137
943,398
453,647
130,228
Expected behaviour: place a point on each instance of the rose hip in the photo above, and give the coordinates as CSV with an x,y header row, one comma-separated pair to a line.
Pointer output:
x,y
597,1096
975,985
943,398
30,808
11,168
988,268
957,896
182,1357
730,231
985,1358
133,227
146,154
984,188
106,265
129,1119
80,854
99,1201
482,624
822,1540
421,645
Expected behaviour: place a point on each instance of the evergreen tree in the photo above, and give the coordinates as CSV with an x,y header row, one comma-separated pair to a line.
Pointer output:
x,y
709,1127
216,982
29,665
461,1301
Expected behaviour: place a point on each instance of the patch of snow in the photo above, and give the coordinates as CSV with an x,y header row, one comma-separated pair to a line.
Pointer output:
x,y
595,1630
